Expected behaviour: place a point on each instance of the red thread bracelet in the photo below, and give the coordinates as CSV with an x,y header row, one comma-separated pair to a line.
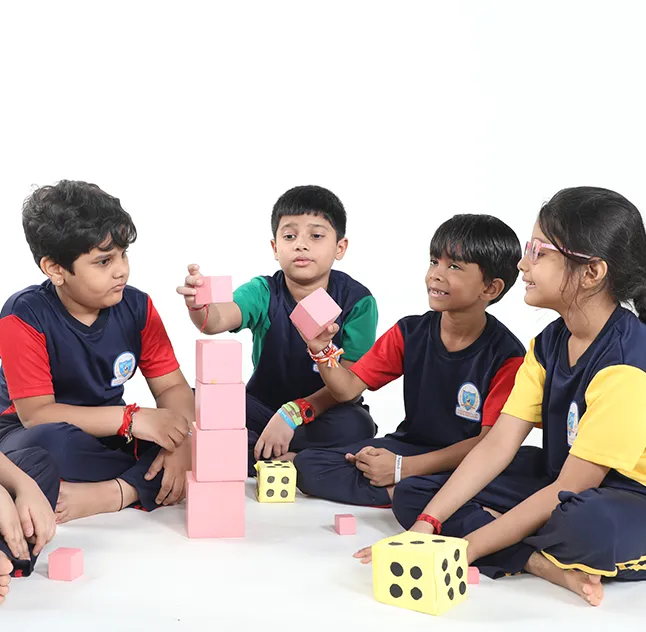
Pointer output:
x,y
434,522
126,425
199,309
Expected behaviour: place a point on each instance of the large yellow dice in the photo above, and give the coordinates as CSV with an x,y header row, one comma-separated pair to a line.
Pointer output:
x,y
276,482
427,573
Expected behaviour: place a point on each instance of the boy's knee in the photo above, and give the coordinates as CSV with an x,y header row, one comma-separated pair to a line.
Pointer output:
x,y
410,496
52,438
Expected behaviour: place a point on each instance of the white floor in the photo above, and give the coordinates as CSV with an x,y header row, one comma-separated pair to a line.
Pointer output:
x,y
290,572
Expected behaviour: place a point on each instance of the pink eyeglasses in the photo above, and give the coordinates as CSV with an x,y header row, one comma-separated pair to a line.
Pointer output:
x,y
532,248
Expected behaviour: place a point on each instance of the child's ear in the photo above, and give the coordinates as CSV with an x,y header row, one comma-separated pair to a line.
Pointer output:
x,y
594,273
341,247
493,290
52,270
273,247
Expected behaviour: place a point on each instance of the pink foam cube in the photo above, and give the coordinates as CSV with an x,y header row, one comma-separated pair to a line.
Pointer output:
x,y
65,564
215,510
315,313
220,406
219,455
214,289
345,524
219,362
473,575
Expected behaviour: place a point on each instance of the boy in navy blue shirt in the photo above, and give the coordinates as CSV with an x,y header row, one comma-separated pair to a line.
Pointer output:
x,y
458,364
288,406
69,345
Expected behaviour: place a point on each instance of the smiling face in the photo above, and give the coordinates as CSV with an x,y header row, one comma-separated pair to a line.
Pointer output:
x,y
454,285
306,247
97,280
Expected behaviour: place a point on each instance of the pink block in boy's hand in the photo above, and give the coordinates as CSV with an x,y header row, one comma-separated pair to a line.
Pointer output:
x,y
473,575
65,564
315,313
219,361
345,524
219,455
214,289
220,406
215,510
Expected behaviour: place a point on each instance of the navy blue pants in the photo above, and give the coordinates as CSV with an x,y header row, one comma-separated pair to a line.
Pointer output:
x,y
326,473
341,425
600,531
82,458
37,464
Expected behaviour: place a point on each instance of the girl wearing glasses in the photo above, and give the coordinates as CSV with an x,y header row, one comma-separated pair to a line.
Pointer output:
x,y
574,511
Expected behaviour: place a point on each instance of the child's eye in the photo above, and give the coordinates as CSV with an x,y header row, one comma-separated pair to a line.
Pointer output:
x,y
455,266
317,236
289,236
433,262
104,262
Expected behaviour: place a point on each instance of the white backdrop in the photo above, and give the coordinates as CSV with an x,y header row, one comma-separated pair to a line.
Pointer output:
x,y
198,115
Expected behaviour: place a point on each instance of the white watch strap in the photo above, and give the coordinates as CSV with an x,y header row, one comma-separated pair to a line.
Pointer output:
x,y
398,467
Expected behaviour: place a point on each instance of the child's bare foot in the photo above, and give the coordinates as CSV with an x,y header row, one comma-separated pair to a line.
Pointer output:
x,y
79,500
5,569
588,587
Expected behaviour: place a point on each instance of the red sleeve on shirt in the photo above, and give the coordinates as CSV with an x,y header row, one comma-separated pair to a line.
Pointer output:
x,y
384,362
501,387
157,354
25,360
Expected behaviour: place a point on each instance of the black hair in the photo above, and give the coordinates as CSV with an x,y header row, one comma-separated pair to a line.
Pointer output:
x,y
310,200
604,224
71,218
481,239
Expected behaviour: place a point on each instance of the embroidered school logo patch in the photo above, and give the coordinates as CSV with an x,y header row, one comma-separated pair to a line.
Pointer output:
x,y
468,402
123,368
572,423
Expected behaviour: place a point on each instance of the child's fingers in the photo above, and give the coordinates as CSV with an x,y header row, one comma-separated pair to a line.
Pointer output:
x,y
186,291
193,268
155,467
350,457
257,451
26,523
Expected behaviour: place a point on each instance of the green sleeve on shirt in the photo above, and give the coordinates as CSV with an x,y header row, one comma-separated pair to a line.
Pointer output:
x,y
253,300
360,329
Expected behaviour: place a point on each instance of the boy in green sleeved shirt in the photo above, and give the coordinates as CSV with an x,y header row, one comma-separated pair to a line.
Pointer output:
x,y
288,406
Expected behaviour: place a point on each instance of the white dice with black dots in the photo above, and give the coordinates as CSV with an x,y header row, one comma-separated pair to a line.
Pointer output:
x,y
275,482
416,571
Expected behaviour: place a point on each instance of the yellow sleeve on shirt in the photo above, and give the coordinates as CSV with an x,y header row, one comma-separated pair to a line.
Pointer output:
x,y
612,431
526,398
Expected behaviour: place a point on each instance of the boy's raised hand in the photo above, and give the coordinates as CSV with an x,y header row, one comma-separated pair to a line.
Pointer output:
x,y
10,526
322,340
162,426
193,280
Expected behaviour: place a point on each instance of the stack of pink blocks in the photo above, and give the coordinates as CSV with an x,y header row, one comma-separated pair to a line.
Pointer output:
x,y
215,496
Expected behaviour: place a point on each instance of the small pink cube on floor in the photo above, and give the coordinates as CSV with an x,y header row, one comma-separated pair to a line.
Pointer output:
x,y
65,564
473,575
215,510
219,455
220,406
345,524
218,361
315,313
214,289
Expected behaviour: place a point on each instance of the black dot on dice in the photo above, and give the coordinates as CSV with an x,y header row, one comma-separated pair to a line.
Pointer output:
x,y
439,541
268,462
417,542
270,479
284,480
416,572
285,467
284,461
456,555
459,572
451,594
416,594
463,588
394,543
445,565
396,569
447,579
270,492
396,591
284,493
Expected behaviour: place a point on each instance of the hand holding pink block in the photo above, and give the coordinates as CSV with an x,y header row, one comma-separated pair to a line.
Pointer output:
x,y
214,289
345,524
219,361
315,313
65,564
